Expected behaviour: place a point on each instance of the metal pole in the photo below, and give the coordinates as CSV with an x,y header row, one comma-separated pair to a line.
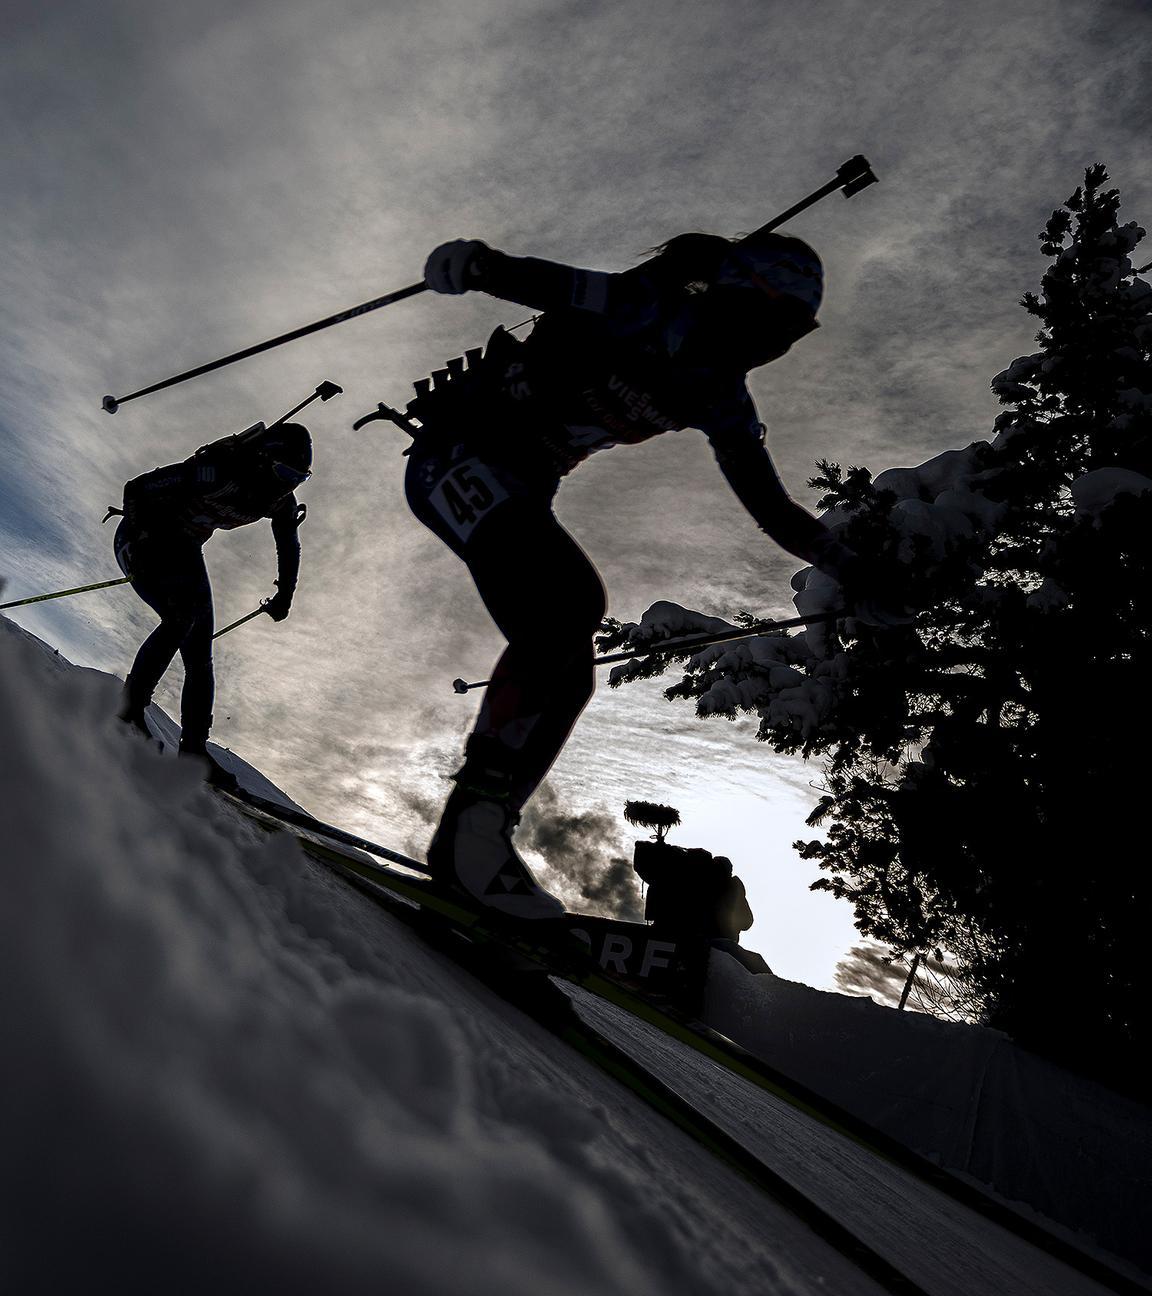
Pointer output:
x,y
689,645
324,392
234,624
113,403
80,589
854,175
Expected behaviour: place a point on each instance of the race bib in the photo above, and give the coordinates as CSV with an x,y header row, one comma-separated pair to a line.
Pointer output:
x,y
467,493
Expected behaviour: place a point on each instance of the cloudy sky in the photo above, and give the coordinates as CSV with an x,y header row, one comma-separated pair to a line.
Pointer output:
x,y
179,181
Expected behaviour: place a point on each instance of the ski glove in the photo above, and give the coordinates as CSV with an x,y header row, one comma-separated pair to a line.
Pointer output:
x,y
279,605
455,267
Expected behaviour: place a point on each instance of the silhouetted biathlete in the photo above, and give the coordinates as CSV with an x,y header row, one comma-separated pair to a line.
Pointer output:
x,y
168,515
614,359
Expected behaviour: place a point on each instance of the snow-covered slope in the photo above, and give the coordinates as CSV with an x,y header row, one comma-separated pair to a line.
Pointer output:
x,y
226,1071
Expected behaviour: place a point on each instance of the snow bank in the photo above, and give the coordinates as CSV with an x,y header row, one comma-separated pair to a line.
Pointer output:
x,y
966,1097
225,1071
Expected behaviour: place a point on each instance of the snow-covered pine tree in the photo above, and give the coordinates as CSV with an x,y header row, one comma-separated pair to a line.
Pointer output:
x,y
984,767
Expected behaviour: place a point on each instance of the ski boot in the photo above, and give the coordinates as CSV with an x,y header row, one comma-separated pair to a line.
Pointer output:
x,y
472,850
132,713
216,775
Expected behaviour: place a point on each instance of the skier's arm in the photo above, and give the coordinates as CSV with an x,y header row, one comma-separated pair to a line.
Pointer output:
x,y
749,470
285,529
468,265
875,591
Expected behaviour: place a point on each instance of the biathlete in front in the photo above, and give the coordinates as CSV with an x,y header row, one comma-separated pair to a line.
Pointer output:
x,y
614,359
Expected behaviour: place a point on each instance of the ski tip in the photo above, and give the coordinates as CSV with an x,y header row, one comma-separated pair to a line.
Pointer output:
x,y
110,404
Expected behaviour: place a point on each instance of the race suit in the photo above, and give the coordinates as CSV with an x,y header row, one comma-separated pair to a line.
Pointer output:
x,y
169,514
603,366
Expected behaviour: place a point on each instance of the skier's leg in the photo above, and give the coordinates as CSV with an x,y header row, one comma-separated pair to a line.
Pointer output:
x,y
155,569
199,692
153,658
541,590
547,598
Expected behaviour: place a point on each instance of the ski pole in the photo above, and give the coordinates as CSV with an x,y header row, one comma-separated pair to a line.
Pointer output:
x,y
113,403
324,392
80,589
854,175
261,608
699,641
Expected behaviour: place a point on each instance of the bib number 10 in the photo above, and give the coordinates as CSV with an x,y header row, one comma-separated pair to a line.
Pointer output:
x,y
466,494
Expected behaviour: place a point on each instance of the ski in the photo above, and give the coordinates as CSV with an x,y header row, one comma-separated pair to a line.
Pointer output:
x,y
308,823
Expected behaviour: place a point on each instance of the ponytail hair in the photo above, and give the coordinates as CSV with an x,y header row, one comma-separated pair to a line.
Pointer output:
x,y
688,258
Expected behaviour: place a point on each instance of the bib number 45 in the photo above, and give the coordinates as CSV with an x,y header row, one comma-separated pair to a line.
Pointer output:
x,y
465,495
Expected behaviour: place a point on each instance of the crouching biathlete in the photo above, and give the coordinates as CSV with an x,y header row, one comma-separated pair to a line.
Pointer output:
x,y
168,516
615,358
